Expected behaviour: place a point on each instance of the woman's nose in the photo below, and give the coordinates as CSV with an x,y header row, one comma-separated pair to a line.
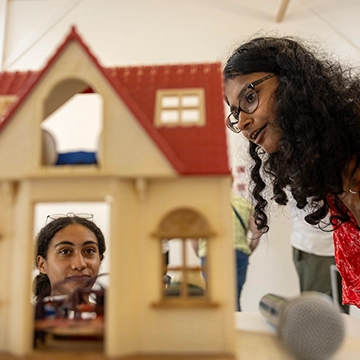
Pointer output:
x,y
244,120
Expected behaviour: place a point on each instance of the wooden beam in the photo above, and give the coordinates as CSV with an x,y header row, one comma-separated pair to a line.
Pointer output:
x,y
282,10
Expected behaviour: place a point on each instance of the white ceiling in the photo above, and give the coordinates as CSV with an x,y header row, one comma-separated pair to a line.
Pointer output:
x,y
164,31
341,15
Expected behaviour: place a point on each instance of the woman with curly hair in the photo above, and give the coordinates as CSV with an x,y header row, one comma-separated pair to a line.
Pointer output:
x,y
300,111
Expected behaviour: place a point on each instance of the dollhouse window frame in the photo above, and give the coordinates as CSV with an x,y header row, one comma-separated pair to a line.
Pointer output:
x,y
180,107
183,225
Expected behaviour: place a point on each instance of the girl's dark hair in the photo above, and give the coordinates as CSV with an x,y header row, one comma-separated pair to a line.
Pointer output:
x,y
41,282
317,104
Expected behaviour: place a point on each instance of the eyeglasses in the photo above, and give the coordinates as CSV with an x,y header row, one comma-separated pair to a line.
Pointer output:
x,y
248,103
86,216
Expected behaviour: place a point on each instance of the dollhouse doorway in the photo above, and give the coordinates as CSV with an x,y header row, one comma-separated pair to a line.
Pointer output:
x,y
57,337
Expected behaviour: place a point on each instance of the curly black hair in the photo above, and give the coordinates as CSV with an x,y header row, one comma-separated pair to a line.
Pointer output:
x,y
317,104
41,282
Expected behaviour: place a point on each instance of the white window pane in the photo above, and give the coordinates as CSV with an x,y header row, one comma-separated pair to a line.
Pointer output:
x,y
190,115
192,258
176,252
190,101
170,101
169,116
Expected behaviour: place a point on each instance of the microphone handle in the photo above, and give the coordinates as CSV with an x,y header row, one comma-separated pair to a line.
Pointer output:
x,y
270,307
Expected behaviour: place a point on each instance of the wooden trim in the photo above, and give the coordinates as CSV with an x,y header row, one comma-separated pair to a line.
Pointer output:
x,y
282,10
184,304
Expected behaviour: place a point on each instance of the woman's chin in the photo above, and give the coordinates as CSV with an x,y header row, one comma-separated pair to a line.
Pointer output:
x,y
75,284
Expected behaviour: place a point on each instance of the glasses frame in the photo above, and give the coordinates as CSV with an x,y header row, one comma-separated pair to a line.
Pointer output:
x,y
52,217
232,125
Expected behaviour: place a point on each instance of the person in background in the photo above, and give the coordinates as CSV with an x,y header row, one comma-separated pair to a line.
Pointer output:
x,y
245,234
246,238
69,251
299,109
313,254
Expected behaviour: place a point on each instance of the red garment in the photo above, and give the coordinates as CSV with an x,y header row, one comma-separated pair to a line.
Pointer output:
x,y
347,256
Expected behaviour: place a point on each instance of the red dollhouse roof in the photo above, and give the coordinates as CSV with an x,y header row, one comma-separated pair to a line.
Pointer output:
x,y
12,82
191,150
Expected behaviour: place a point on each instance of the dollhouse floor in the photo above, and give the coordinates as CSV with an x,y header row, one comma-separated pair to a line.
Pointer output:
x,y
54,349
74,350
89,355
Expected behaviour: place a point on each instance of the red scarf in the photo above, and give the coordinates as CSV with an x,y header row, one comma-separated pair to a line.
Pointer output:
x,y
347,256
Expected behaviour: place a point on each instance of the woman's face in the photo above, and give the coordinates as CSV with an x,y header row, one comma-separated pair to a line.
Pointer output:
x,y
72,259
259,126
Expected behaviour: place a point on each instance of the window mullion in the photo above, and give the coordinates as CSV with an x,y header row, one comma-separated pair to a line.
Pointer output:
x,y
185,288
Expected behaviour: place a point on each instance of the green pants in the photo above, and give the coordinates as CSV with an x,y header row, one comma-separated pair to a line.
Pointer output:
x,y
314,273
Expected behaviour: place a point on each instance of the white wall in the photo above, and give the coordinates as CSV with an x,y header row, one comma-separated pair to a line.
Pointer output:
x,y
122,32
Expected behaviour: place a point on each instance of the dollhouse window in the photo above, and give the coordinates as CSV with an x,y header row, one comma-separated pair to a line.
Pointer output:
x,y
180,107
185,273
65,125
184,237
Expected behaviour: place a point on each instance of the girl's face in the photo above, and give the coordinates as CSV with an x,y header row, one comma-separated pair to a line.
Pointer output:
x,y
72,259
259,126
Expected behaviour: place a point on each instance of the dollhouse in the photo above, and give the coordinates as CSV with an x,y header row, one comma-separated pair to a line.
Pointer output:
x,y
162,164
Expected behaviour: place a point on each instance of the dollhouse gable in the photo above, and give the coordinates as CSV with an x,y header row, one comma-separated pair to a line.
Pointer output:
x,y
171,114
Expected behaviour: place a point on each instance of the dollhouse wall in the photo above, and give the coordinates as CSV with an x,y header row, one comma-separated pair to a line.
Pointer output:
x,y
167,324
134,252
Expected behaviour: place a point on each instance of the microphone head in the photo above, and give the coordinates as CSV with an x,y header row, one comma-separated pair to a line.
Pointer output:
x,y
311,328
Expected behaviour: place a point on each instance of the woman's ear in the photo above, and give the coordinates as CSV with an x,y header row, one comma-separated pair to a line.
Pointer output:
x,y
41,264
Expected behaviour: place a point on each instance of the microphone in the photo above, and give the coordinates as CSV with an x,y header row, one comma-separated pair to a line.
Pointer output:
x,y
309,326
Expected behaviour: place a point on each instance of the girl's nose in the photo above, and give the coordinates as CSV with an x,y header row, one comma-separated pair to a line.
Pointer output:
x,y
78,263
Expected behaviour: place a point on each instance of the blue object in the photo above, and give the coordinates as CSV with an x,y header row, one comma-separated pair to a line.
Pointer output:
x,y
77,158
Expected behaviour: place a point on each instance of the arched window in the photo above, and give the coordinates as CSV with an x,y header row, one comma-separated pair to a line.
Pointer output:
x,y
184,236
72,124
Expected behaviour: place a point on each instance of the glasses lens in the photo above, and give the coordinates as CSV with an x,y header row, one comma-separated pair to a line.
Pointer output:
x,y
84,215
55,216
249,100
232,123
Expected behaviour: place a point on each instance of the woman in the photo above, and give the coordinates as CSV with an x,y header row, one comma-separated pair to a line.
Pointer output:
x,y
300,111
69,251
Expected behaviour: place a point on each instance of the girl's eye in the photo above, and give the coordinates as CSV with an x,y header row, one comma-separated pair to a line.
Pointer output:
x,y
64,252
90,251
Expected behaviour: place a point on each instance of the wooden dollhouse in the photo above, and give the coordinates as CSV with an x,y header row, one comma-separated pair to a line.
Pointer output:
x,y
162,161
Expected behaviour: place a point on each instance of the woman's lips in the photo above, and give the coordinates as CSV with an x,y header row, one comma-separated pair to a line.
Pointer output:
x,y
255,135
78,278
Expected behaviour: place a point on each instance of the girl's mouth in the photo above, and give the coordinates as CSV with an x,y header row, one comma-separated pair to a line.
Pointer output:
x,y
78,278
